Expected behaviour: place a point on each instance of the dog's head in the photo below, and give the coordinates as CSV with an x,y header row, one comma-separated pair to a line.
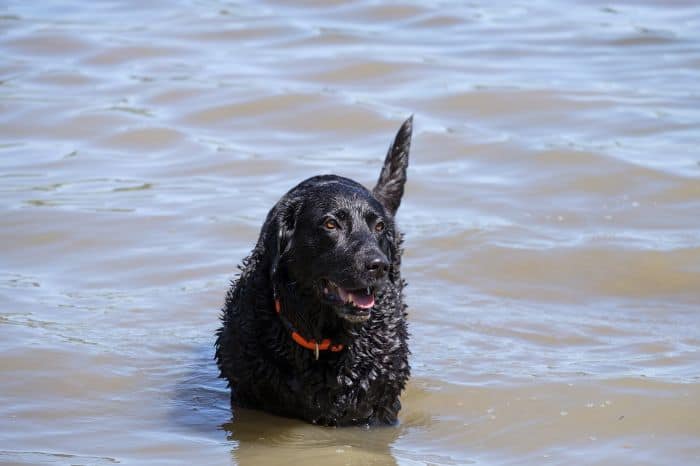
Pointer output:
x,y
336,241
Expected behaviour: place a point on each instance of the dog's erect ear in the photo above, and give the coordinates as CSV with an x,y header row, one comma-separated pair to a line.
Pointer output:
x,y
389,188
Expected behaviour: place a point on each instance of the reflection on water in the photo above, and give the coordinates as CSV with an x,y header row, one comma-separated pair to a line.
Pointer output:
x,y
551,220
254,436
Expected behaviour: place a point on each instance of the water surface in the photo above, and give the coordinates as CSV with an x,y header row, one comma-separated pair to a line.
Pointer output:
x,y
552,222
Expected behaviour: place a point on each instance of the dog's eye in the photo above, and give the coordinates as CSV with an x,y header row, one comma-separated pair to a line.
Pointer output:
x,y
379,227
331,224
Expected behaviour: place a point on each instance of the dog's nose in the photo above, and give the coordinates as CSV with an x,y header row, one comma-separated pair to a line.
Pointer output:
x,y
377,267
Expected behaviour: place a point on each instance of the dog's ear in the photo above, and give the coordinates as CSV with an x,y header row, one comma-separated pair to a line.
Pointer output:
x,y
285,223
389,188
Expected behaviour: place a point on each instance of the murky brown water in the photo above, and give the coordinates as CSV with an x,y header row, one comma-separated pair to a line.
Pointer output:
x,y
552,221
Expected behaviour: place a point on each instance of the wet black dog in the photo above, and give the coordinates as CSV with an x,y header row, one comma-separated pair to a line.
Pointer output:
x,y
315,326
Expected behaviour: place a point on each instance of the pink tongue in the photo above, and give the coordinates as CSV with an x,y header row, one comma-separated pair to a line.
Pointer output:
x,y
363,301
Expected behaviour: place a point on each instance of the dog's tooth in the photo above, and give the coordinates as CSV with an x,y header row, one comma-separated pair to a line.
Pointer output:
x,y
343,295
325,290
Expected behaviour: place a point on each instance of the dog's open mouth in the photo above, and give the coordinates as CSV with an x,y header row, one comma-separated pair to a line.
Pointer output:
x,y
356,303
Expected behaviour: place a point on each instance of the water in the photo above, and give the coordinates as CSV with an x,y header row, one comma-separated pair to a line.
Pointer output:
x,y
552,222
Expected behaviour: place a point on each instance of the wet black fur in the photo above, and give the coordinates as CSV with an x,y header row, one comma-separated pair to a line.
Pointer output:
x,y
265,368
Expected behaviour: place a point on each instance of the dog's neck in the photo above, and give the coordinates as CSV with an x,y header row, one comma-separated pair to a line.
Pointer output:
x,y
311,319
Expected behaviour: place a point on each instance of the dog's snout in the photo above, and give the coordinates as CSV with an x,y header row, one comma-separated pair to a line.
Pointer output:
x,y
377,266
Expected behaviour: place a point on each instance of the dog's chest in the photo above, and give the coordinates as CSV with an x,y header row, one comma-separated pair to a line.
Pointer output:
x,y
354,384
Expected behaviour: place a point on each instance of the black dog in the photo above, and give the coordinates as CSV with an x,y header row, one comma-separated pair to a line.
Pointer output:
x,y
315,326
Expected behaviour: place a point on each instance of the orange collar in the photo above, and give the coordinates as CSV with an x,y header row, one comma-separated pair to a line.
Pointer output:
x,y
326,344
